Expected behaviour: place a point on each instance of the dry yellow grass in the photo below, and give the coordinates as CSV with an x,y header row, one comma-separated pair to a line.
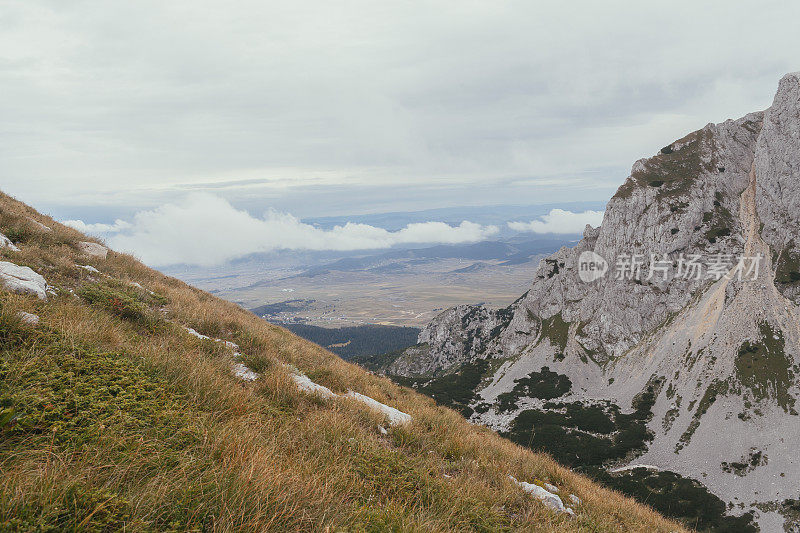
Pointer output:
x,y
189,447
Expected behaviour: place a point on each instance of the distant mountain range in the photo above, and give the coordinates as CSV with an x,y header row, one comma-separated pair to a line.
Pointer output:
x,y
498,215
507,253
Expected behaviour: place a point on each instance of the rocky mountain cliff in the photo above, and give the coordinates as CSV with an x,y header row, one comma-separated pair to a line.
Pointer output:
x,y
683,355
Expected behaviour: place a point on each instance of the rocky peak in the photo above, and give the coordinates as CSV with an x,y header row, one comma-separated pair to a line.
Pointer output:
x,y
716,356
778,194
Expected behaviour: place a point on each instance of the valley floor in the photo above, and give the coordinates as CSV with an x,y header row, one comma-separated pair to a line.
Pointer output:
x,y
411,296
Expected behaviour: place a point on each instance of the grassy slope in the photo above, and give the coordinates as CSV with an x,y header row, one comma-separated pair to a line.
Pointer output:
x,y
122,419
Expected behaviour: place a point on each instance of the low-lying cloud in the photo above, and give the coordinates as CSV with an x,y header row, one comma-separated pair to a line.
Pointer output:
x,y
206,230
560,221
94,229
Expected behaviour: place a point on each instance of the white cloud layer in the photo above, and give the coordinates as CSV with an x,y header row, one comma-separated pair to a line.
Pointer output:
x,y
560,221
207,230
83,227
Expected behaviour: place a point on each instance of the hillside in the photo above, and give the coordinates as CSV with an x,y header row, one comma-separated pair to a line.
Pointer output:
x,y
661,353
120,410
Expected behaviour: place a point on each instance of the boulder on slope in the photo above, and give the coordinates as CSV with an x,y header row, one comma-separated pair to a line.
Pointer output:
x,y
93,249
22,280
5,242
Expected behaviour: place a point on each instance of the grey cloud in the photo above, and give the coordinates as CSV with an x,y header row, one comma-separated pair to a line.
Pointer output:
x,y
129,102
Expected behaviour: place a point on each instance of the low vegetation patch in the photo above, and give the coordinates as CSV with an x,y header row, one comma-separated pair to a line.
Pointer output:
x,y
545,385
97,409
747,464
585,436
787,266
765,370
672,171
123,300
679,497
715,389
556,330
456,390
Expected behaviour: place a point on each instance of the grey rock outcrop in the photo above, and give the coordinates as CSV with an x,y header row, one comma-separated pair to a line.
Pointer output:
x,y
5,242
93,249
778,169
23,280
456,336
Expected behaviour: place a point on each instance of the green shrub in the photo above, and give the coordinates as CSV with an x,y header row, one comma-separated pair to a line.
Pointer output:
x,y
89,508
79,398
545,385
787,265
684,499
16,234
456,390
123,301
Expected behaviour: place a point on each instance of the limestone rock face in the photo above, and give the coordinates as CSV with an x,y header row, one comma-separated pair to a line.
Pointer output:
x,y
723,347
22,280
5,242
93,249
453,338
778,168
673,203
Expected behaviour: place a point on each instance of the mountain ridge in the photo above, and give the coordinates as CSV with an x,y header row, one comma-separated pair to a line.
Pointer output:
x,y
718,356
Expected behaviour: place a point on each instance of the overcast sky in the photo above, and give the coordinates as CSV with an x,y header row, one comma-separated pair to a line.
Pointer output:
x,y
320,108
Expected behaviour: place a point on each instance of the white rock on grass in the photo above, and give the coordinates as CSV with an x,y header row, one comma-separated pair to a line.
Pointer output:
x,y
305,384
194,333
139,286
575,500
22,280
232,345
89,268
93,249
239,370
244,373
633,467
551,488
549,499
394,416
46,229
28,318
5,242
